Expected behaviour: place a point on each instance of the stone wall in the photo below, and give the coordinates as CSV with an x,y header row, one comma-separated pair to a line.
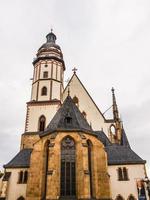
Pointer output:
x,y
37,174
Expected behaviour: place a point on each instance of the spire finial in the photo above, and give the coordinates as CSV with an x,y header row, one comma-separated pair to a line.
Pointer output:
x,y
74,70
115,107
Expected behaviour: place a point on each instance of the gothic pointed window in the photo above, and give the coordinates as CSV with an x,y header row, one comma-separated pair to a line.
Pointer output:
x,y
45,167
68,167
42,123
44,91
90,165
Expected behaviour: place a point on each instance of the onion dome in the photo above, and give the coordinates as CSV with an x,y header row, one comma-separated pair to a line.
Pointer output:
x,y
50,43
50,50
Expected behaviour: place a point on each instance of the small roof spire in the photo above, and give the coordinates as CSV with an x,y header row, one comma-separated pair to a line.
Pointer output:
x,y
115,107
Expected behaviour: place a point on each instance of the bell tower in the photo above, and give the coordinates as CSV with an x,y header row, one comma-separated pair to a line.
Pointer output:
x,y
47,85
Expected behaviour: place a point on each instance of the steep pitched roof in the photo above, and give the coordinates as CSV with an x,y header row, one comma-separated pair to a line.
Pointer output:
x,y
68,117
21,160
103,138
119,154
124,139
69,83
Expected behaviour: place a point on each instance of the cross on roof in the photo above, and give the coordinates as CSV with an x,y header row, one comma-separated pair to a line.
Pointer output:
x,y
74,70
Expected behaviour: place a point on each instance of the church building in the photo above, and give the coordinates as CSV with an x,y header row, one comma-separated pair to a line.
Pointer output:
x,y
69,150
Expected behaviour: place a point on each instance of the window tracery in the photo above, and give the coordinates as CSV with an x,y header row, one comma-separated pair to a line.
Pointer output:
x,y
68,178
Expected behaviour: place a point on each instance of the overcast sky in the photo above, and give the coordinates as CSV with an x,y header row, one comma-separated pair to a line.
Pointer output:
x,y
107,40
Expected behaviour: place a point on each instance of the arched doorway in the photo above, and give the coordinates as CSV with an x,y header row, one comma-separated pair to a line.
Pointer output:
x,y
68,169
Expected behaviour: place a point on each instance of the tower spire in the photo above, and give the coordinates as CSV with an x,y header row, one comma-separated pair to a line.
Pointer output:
x,y
115,107
117,121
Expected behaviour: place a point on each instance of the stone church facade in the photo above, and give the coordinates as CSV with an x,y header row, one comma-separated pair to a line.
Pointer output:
x,y
69,150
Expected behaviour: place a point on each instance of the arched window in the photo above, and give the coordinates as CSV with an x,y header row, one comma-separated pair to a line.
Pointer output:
x,y
45,74
68,170
113,129
21,198
76,100
44,91
90,165
119,197
25,176
120,174
125,174
42,123
20,180
131,197
45,167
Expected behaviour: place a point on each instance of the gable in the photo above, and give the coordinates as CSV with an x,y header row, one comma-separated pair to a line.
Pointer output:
x,y
86,104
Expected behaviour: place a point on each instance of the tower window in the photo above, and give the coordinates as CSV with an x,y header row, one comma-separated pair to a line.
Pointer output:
x,y
42,122
46,65
45,74
44,91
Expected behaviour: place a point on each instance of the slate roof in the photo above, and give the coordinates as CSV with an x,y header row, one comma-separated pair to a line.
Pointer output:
x,y
21,160
102,137
124,139
69,118
120,154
